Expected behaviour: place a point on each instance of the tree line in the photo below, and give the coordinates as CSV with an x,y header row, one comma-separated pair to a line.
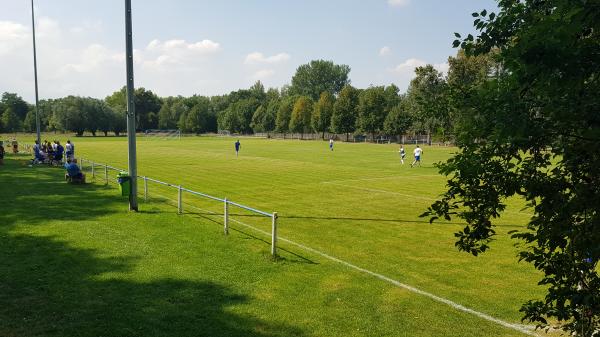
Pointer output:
x,y
319,99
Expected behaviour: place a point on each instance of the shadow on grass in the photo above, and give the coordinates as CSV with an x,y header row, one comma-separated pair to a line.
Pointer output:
x,y
36,194
50,288
209,216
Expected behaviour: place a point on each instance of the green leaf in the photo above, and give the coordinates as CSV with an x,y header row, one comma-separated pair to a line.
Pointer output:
x,y
457,35
483,12
475,15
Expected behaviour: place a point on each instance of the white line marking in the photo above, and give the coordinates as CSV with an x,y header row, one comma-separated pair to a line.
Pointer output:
x,y
518,327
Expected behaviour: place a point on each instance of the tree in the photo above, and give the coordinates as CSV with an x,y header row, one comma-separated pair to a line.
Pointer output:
x,y
147,106
10,120
257,91
321,115
165,121
428,92
343,119
392,97
119,123
533,130
371,110
106,118
398,121
68,114
258,119
300,119
466,74
284,114
271,114
93,112
198,118
317,76
29,124
237,117
16,103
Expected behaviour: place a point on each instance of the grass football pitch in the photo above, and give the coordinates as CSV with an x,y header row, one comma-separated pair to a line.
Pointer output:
x,y
77,263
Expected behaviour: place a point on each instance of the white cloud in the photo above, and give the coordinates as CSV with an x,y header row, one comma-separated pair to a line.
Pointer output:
x,y
12,35
384,51
88,26
442,67
176,46
94,57
409,66
258,58
71,61
405,71
176,52
47,28
263,74
398,3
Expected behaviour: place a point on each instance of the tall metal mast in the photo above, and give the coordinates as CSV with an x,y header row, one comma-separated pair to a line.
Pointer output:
x,y
37,115
133,205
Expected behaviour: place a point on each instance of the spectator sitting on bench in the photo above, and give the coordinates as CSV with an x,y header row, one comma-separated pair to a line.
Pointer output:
x,y
73,171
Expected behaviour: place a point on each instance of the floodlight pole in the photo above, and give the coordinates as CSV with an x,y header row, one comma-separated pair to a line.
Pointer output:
x,y
37,115
133,205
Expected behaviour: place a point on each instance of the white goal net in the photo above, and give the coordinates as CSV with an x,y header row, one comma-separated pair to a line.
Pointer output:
x,y
163,134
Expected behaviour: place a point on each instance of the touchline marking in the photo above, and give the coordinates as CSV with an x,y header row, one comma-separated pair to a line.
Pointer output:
x,y
454,305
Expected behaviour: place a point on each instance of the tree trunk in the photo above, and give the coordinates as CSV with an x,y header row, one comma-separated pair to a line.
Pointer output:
x,y
347,135
105,133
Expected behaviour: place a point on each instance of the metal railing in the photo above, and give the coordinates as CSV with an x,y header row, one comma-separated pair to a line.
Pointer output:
x,y
93,166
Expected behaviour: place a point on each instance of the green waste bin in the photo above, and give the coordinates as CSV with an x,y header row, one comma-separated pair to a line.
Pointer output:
x,y
124,183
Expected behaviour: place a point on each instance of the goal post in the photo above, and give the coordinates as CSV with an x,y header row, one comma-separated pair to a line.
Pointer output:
x,y
163,133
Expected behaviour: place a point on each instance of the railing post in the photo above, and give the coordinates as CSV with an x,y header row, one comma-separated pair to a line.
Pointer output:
x,y
225,217
105,174
274,234
179,201
145,188
93,174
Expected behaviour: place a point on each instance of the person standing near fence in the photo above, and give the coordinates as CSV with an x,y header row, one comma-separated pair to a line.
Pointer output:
x,y
69,149
402,154
15,146
331,144
237,147
417,152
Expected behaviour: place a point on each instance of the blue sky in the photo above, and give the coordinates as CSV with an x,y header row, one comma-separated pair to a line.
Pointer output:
x,y
213,47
